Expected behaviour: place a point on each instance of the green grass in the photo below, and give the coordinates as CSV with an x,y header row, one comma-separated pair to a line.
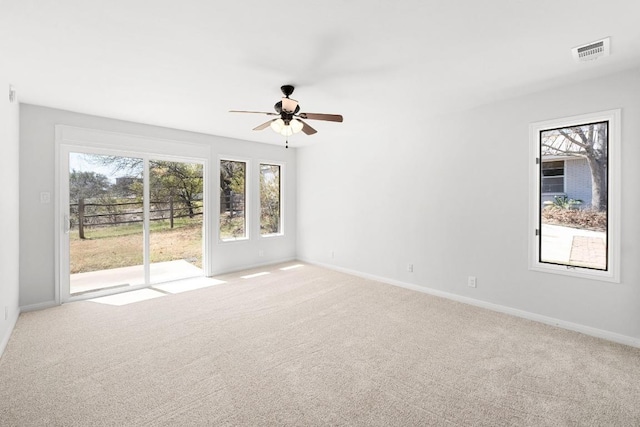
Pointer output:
x,y
122,245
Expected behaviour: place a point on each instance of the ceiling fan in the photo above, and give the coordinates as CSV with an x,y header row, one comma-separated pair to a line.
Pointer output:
x,y
289,120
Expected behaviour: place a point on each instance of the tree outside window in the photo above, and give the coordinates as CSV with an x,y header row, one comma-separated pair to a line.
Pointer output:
x,y
232,200
270,200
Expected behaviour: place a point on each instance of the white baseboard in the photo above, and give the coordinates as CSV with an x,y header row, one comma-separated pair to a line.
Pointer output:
x,y
587,330
38,306
12,324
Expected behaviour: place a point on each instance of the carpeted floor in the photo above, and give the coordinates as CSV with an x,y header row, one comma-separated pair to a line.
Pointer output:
x,y
308,346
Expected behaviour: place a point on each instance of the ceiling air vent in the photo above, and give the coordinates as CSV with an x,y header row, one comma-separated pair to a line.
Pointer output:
x,y
591,51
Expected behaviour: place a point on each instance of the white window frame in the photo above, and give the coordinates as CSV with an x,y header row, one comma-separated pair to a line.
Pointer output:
x,y
282,199
612,274
247,199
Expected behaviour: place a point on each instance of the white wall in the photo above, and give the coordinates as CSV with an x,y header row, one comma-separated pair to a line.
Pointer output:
x,y
37,228
9,243
450,195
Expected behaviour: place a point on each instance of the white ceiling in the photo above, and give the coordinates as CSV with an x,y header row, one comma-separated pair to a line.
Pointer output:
x,y
184,64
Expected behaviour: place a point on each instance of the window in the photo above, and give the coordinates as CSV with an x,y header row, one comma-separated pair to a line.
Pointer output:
x,y
233,221
575,196
270,200
552,176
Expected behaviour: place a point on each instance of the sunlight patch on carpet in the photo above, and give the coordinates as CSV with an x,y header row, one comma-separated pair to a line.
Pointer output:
x,y
180,286
251,276
128,297
292,267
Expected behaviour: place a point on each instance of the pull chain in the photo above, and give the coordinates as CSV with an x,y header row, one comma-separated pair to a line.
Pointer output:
x,y
287,143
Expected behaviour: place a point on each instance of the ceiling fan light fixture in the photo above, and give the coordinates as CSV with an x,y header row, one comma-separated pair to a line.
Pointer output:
x,y
277,125
296,125
286,131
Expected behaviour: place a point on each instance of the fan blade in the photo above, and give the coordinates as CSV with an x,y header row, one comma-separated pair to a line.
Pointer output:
x,y
320,116
254,112
307,129
264,125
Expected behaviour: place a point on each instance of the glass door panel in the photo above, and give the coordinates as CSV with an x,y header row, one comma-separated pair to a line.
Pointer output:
x,y
106,222
175,220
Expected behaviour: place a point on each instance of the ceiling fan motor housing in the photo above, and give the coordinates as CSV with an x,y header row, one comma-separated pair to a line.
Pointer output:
x,y
287,90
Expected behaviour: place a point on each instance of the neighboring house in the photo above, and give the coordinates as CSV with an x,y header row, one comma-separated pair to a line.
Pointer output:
x,y
568,176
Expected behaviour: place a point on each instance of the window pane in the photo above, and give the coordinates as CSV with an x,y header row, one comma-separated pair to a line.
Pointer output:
x,y
233,223
552,172
270,199
175,220
573,225
553,185
106,208
553,165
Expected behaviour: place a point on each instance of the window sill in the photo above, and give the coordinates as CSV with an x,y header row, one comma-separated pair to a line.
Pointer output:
x,y
233,240
269,236
584,273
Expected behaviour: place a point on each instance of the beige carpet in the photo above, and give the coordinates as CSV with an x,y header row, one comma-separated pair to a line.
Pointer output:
x,y
303,347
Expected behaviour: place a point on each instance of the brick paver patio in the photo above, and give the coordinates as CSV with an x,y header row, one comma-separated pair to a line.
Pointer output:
x,y
589,252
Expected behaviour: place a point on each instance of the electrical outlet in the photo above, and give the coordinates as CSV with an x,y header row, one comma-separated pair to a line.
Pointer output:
x,y
472,282
45,197
410,268
260,252
332,254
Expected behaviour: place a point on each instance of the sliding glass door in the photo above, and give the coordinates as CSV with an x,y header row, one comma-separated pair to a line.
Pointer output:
x,y
131,221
